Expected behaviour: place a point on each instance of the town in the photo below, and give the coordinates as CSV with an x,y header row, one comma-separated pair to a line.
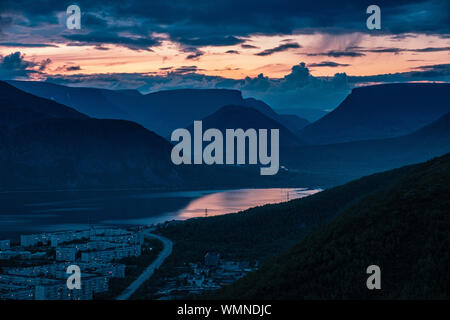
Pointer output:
x,y
201,278
35,268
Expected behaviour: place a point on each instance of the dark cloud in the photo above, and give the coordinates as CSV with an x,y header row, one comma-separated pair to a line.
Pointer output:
x,y
403,36
73,68
229,22
398,50
436,67
99,38
15,65
44,64
433,71
280,48
338,54
328,64
5,21
68,68
356,51
430,49
248,46
437,72
194,53
185,70
26,45
232,52
92,20
384,50
99,47
209,41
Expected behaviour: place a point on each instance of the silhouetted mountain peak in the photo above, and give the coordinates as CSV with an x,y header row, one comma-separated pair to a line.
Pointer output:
x,y
242,117
18,107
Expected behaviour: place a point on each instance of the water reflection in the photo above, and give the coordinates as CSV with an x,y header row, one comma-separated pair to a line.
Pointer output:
x,y
223,202
54,211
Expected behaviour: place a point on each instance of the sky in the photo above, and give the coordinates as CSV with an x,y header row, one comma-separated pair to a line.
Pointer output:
x,y
291,54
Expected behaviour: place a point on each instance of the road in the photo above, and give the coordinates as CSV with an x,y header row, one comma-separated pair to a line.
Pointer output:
x,y
165,252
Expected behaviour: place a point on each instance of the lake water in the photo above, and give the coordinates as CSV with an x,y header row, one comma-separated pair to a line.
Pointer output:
x,y
27,212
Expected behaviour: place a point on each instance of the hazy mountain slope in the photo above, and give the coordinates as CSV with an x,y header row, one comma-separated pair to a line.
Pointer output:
x,y
403,228
290,121
354,159
380,111
98,103
161,111
308,114
173,109
293,122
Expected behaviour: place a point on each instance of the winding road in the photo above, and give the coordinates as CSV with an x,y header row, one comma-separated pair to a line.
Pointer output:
x,y
165,252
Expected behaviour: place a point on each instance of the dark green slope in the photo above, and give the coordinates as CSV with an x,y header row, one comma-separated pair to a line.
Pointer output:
x,y
263,232
403,228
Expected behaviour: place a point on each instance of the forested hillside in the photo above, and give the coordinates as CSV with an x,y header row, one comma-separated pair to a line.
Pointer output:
x,y
403,228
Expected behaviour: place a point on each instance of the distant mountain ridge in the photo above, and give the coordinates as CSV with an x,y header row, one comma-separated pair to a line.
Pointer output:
x,y
161,111
380,111
94,102
290,121
358,158
351,160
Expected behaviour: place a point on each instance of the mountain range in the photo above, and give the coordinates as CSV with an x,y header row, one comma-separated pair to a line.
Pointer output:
x,y
380,111
351,160
161,112
46,145
128,154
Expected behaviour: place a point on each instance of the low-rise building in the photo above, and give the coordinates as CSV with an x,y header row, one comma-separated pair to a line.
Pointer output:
x,y
66,253
29,240
111,254
212,259
8,254
61,237
5,244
